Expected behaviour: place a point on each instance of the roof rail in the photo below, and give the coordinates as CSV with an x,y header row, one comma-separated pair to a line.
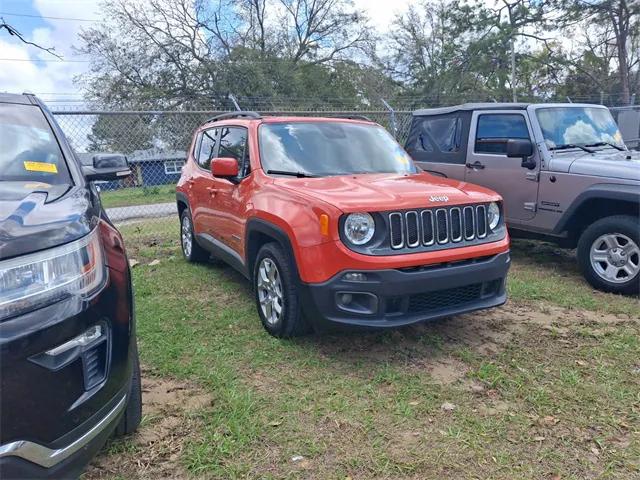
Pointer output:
x,y
238,114
353,117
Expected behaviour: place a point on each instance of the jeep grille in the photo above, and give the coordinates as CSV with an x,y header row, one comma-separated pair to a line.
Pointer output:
x,y
444,226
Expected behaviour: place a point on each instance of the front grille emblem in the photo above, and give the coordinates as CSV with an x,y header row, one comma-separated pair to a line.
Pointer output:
x,y
438,198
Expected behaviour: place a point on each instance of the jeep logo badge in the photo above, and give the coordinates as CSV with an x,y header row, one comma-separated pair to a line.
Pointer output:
x,y
438,198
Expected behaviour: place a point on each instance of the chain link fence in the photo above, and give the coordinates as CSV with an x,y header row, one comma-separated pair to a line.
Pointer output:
x,y
155,142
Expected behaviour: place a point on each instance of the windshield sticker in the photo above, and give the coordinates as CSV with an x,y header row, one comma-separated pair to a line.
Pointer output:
x,y
36,185
41,167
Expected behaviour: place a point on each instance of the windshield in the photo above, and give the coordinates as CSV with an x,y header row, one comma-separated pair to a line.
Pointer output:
x,y
331,148
585,126
28,149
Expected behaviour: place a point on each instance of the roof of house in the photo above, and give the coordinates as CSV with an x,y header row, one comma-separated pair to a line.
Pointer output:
x,y
140,156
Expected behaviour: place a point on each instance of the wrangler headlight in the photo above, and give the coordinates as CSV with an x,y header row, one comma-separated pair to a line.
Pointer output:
x,y
359,228
34,280
493,215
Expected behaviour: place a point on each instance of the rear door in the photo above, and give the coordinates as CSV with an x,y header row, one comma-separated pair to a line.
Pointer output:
x,y
437,143
202,182
488,165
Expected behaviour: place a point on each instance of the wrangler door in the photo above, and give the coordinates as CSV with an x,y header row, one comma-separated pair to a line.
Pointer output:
x,y
487,163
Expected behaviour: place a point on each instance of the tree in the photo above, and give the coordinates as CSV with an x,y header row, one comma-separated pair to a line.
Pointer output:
x,y
15,33
168,53
621,19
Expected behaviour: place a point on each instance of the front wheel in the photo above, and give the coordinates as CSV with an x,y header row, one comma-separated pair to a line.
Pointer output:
x,y
133,412
275,287
609,254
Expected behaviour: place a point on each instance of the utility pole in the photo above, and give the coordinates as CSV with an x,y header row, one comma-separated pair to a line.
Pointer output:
x,y
513,69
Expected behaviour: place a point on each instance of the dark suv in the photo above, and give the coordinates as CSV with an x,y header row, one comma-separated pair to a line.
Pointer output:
x,y
69,371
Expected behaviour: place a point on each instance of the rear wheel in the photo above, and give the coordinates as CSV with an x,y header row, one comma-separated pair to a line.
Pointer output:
x,y
275,287
133,412
609,254
190,249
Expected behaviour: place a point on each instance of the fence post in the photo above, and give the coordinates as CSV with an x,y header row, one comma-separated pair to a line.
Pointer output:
x,y
392,117
235,102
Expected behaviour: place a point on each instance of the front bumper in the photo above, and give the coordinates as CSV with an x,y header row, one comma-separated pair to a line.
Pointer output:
x,y
27,459
396,297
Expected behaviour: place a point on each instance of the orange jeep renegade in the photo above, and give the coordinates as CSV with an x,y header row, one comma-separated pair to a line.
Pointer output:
x,y
332,222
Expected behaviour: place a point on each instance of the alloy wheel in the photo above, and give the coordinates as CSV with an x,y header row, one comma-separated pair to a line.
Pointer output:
x,y
270,294
615,258
186,236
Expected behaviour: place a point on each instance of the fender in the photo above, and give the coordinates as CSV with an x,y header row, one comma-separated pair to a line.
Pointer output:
x,y
258,225
182,197
606,191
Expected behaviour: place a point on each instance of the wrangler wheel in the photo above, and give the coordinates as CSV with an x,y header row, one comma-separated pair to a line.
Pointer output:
x,y
609,254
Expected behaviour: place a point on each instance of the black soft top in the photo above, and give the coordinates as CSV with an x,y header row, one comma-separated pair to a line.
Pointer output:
x,y
467,107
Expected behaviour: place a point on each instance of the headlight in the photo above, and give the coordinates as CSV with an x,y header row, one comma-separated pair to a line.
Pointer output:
x,y
34,280
359,228
493,215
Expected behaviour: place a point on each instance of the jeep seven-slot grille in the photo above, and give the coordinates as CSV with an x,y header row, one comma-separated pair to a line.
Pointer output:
x,y
451,225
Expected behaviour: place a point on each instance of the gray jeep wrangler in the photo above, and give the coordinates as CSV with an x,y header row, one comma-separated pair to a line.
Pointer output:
x,y
563,170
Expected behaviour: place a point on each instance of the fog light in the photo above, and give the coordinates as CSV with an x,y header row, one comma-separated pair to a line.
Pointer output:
x,y
355,277
357,302
346,298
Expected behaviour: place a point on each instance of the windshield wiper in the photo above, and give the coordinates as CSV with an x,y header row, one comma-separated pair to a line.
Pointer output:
x,y
604,144
572,145
292,174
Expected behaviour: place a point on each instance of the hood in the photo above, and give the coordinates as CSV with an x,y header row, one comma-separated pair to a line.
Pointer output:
x,y
381,192
608,163
35,216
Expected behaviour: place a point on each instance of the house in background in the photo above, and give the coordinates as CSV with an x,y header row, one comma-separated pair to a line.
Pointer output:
x,y
156,167
148,168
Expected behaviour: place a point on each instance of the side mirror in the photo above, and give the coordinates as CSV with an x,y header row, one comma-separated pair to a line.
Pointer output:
x,y
107,167
224,167
521,148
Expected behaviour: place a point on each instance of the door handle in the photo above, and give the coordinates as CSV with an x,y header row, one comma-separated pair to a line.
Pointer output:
x,y
475,166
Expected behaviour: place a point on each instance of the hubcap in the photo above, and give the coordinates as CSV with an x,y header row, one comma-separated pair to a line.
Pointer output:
x,y
186,236
270,293
615,258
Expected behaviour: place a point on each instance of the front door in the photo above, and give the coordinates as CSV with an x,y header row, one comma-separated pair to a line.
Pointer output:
x,y
487,163
229,197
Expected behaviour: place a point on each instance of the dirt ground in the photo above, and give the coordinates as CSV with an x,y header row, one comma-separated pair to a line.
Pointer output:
x,y
170,407
154,451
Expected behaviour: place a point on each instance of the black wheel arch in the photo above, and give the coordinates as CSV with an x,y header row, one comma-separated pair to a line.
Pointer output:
x,y
183,202
260,232
598,201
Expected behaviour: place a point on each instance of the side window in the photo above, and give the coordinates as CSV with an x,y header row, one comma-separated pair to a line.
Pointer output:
x,y
208,148
495,129
445,133
233,143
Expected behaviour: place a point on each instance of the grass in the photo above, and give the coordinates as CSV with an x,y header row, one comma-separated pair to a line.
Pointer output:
x,y
528,402
127,197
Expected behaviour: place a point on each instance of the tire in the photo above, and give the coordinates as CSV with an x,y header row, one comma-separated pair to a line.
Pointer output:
x,y
191,251
133,412
275,283
609,254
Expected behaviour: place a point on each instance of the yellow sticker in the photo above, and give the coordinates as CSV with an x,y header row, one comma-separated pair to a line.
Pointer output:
x,y
41,167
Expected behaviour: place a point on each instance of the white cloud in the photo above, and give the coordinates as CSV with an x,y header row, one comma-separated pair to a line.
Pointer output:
x,y
43,74
382,12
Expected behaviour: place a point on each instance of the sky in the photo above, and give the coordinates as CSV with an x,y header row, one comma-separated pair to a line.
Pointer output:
x,y
25,68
